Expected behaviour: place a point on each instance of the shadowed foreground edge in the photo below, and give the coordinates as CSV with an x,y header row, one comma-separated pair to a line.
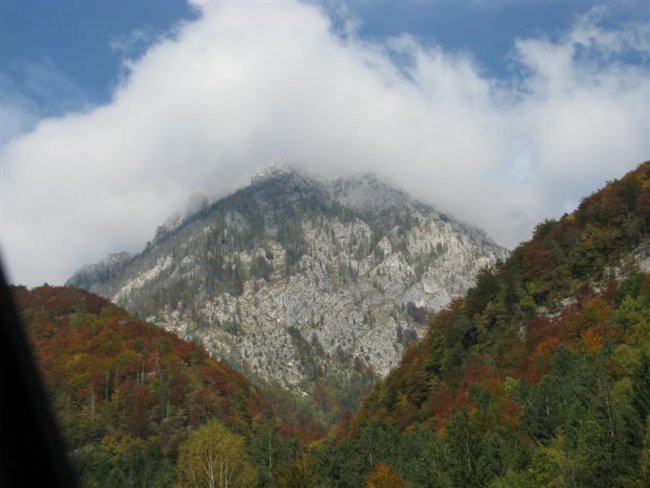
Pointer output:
x,y
32,452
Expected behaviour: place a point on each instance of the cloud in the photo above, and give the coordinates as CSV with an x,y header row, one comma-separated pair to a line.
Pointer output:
x,y
135,40
32,90
18,113
244,85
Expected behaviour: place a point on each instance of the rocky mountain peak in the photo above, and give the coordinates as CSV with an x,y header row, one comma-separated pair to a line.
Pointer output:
x,y
102,271
378,200
273,171
300,281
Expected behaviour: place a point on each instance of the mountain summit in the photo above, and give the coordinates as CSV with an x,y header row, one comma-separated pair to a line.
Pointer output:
x,y
313,285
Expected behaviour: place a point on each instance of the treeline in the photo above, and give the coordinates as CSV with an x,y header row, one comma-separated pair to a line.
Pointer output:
x,y
132,399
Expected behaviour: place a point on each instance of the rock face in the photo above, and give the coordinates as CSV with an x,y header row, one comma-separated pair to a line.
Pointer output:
x,y
294,279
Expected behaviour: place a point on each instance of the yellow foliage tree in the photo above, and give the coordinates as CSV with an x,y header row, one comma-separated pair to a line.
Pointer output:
x,y
214,457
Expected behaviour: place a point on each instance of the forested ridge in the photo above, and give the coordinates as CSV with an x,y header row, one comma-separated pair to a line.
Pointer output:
x,y
540,376
132,398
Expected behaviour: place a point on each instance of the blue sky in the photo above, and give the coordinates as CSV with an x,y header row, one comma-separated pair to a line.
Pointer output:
x,y
75,39
75,36
117,114
485,28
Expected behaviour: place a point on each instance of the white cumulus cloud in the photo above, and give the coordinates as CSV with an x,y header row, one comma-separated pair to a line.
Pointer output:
x,y
244,85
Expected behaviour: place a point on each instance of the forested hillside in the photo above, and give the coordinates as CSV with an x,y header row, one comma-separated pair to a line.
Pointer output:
x,y
539,377
136,403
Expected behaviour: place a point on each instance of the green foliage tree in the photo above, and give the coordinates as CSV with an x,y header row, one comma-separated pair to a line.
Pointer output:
x,y
421,459
269,451
300,473
551,466
378,442
463,450
340,464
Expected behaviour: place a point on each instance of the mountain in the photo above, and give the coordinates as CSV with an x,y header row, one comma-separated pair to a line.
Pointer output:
x,y
540,376
317,286
128,394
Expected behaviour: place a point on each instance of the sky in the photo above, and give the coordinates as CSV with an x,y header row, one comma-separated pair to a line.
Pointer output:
x,y
115,115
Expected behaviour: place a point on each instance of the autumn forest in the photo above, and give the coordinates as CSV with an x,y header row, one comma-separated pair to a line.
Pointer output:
x,y
538,377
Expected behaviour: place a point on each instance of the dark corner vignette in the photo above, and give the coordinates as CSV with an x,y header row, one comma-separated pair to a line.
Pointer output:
x,y
32,452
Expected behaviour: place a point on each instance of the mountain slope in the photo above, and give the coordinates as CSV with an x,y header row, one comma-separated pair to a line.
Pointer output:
x,y
540,376
314,285
128,393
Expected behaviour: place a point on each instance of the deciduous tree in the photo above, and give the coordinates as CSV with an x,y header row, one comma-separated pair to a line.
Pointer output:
x,y
213,457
